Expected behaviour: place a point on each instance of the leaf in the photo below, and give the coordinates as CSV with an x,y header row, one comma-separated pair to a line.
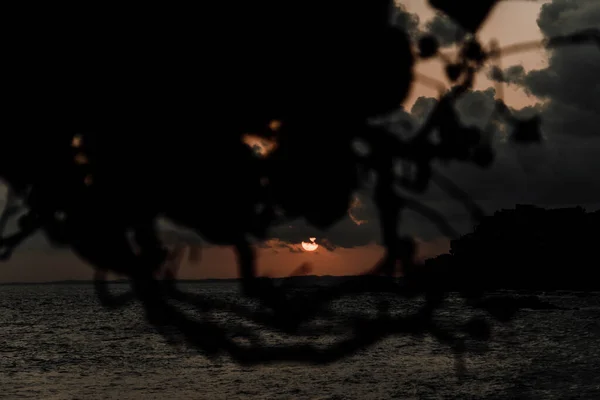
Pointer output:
x,y
454,71
473,51
428,46
467,13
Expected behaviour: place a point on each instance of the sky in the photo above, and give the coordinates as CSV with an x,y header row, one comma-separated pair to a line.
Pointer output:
x,y
563,85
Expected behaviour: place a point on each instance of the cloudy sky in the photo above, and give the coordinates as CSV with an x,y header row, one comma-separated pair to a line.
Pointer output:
x,y
563,85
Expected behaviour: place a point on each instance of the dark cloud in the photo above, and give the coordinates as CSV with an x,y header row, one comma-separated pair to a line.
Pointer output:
x,y
476,107
361,230
445,30
563,170
511,75
558,172
570,84
326,243
407,21
422,108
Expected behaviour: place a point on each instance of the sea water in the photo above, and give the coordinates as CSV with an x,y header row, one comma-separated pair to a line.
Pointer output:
x,y
58,342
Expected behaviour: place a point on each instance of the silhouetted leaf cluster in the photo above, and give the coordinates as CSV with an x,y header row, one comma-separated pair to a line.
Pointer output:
x,y
113,127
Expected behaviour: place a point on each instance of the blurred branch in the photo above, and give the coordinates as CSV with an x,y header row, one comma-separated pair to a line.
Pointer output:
x,y
105,183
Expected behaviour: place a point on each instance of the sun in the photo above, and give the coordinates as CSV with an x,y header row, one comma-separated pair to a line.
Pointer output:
x,y
310,246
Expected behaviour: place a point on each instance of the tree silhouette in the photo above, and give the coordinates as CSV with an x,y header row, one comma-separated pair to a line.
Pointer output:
x,y
107,104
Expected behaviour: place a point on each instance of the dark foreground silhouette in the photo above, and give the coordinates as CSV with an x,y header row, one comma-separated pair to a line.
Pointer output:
x,y
117,116
526,248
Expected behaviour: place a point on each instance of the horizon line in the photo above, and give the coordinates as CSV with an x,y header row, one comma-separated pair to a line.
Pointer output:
x,y
125,280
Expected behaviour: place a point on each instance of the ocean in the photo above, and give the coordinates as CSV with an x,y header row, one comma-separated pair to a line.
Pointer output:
x,y
58,342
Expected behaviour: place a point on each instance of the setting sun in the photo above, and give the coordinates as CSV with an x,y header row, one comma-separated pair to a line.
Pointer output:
x,y
310,246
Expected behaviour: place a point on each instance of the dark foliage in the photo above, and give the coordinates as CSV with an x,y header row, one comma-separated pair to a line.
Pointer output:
x,y
107,104
470,15
527,248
